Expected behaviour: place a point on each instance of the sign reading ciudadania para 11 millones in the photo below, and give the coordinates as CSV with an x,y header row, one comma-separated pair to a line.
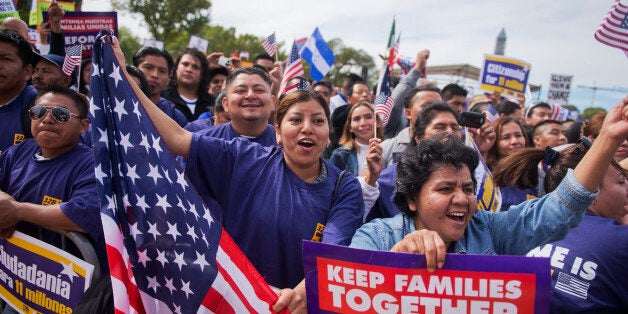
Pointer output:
x,y
346,280
36,277
505,75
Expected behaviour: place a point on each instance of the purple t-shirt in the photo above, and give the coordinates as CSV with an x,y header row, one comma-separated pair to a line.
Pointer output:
x,y
67,180
267,208
11,118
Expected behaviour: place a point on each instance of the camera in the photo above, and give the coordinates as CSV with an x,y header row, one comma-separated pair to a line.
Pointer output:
x,y
224,62
472,119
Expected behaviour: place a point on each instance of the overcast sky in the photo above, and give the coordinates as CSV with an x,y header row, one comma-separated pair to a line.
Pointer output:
x,y
553,36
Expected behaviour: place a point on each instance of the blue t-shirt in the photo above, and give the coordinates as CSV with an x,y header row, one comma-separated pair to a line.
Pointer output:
x,y
198,125
227,132
11,118
384,206
168,108
514,196
267,208
67,180
589,273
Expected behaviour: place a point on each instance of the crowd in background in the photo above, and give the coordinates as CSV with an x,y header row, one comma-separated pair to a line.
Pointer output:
x,y
324,165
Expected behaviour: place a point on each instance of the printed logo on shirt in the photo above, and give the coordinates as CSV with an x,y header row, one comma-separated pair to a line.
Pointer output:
x,y
318,233
49,200
18,138
574,273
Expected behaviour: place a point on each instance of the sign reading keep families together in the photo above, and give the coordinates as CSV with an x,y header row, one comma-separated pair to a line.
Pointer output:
x,y
346,280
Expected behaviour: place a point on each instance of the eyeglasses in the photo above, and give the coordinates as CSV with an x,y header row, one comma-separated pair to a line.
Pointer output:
x,y
60,114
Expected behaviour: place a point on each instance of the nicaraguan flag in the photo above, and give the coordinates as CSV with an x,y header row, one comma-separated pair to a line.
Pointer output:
x,y
318,55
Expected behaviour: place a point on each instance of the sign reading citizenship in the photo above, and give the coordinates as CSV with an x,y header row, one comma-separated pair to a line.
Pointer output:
x,y
36,277
345,280
505,75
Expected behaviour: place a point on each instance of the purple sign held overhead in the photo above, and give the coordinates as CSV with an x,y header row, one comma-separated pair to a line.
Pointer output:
x,y
81,28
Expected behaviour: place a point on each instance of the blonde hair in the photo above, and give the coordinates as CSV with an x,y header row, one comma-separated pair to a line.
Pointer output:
x,y
348,138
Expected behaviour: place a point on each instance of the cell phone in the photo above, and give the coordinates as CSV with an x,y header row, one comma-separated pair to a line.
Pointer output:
x,y
224,62
472,119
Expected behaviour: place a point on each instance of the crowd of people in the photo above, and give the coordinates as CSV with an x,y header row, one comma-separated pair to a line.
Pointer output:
x,y
325,167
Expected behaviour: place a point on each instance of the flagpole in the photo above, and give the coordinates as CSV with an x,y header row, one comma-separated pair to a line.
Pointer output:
x,y
276,51
80,75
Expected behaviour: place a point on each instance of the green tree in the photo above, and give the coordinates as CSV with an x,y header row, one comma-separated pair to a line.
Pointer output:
x,y
590,112
571,108
129,43
168,18
223,40
349,60
24,8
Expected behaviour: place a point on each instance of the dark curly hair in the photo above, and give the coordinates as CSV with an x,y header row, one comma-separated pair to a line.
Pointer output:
x,y
203,86
419,162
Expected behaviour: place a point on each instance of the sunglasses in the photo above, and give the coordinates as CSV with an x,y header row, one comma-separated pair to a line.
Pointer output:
x,y
59,114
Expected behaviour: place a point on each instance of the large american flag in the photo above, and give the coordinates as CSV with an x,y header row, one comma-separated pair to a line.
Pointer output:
x,y
270,44
294,67
383,101
614,29
166,254
72,59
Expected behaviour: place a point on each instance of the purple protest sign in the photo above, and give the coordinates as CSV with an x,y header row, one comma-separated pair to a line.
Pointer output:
x,y
341,279
81,28
37,277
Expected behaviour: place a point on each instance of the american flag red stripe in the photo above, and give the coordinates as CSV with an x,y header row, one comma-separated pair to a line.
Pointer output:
x,y
294,68
383,110
383,101
614,29
270,44
72,59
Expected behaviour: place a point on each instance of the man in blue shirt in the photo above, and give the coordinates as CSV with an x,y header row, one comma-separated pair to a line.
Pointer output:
x,y
15,70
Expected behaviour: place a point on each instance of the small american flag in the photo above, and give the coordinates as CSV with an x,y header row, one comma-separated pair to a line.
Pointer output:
x,y
571,285
72,59
166,253
491,113
614,29
559,113
294,67
301,84
270,44
384,102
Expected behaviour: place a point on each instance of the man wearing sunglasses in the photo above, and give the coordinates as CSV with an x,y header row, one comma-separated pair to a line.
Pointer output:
x,y
49,180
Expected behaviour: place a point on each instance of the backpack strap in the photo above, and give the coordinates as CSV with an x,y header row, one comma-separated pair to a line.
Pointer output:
x,y
333,195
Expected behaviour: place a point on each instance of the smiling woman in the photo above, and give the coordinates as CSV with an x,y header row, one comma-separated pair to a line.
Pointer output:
x,y
435,192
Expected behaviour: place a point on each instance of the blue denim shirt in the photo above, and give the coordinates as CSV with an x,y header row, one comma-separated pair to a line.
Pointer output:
x,y
345,160
515,232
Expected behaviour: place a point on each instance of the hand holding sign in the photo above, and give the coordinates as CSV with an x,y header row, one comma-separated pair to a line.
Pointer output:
x,y
424,242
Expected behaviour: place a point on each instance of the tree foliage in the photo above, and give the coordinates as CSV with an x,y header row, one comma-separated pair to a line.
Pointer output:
x,y
350,60
168,18
129,43
223,40
571,108
24,8
590,112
